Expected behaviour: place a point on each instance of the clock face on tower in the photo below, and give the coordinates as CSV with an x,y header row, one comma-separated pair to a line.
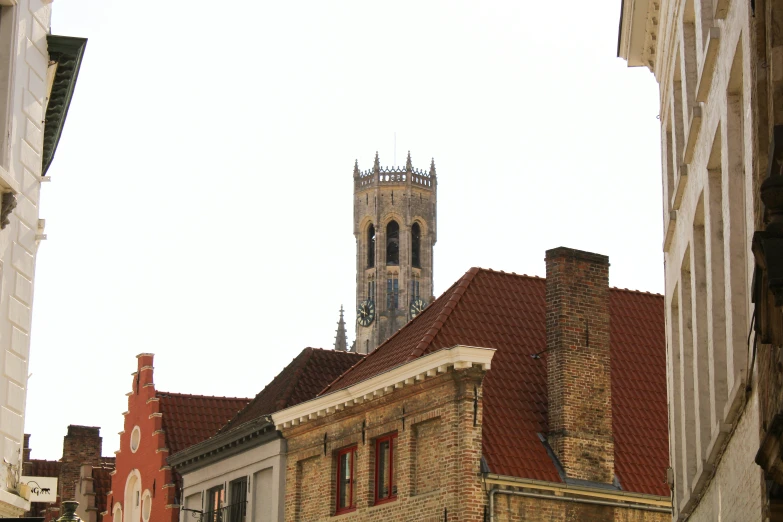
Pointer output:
x,y
417,305
365,312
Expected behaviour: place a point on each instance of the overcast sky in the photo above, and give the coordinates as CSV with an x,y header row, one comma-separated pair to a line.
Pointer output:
x,y
201,198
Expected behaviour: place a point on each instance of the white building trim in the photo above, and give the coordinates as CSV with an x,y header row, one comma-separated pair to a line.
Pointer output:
x,y
457,357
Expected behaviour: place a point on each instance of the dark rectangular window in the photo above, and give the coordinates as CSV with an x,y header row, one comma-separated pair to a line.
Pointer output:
x,y
392,293
237,507
216,497
346,471
385,483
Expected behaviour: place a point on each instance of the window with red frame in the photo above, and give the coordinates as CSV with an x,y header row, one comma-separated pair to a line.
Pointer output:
x,y
346,473
385,483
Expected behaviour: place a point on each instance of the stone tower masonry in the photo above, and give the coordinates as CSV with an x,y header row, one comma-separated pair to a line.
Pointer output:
x,y
394,222
578,368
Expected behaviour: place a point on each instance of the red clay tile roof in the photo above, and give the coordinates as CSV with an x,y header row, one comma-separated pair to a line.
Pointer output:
x,y
507,312
101,485
300,381
190,419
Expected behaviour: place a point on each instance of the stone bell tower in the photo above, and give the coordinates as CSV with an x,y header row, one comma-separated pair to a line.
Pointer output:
x,y
394,222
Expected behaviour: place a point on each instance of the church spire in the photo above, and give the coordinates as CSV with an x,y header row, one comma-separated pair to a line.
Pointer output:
x,y
432,167
409,163
377,165
340,341
356,169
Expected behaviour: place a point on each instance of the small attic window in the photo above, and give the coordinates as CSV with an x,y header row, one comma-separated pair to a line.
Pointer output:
x,y
135,439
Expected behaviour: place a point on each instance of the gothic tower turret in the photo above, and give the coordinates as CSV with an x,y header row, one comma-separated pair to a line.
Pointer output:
x,y
394,222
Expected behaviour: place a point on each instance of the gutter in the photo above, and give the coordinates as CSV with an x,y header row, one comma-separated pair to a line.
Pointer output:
x,y
620,29
242,438
640,507
557,490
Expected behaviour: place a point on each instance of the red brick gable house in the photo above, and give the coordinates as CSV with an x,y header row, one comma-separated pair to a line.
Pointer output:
x,y
567,420
144,488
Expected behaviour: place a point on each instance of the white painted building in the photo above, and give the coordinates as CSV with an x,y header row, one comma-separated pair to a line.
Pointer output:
x,y
236,476
706,58
38,72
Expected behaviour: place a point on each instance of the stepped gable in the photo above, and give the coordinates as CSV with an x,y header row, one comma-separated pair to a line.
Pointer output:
x,y
190,419
300,381
507,312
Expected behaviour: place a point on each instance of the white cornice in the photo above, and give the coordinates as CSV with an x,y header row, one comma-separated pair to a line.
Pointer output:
x,y
639,32
457,357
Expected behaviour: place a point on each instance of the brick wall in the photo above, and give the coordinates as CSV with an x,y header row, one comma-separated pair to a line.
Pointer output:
x,y
520,509
148,463
737,488
437,457
82,445
578,367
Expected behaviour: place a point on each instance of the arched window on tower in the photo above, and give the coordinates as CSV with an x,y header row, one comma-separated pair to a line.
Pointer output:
x,y
416,245
392,243
370,246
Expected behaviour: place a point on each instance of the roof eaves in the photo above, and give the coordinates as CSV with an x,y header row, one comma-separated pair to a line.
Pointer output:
x,y
457,357
67,52
218,447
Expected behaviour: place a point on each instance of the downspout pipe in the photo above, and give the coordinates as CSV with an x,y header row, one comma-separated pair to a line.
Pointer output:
x,y
640,507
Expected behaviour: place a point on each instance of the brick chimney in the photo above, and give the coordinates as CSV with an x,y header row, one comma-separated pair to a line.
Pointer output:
x,y
82,445
578,366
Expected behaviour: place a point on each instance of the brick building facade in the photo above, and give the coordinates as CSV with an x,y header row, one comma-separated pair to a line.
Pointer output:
x,y
508,398
144,488
83,474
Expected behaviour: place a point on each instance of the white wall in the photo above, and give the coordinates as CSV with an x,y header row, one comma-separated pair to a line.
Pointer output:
x,y
264,467
23,63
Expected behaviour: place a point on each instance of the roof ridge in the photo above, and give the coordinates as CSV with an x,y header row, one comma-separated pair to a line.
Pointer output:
x,y
450,305
298,373
360,361
630,290
258,395
368,355
158,393
543,278
526,276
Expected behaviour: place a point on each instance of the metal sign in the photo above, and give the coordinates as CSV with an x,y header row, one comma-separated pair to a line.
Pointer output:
x,y
42,489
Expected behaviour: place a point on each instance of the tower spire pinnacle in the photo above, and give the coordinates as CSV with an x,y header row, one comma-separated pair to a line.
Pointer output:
x,y
409,163
340,341
356,169
377,165
432,167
